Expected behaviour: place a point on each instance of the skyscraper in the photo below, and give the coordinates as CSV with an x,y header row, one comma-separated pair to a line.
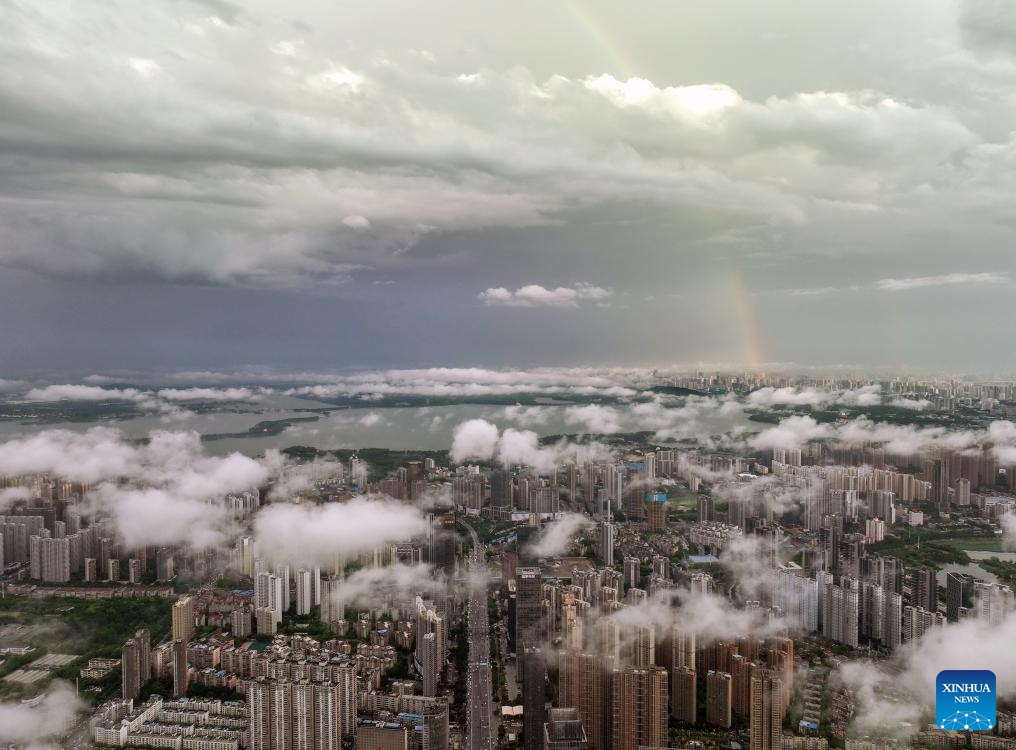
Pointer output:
x,y
304,591
683,695
240,623
606,548
656,511
993,601
430,669
529,618
719,699
766,721
840,617
643,645
298,715
130,670
959,589
269,594
183,619
180,669
584,684
533,666
924,589
639,699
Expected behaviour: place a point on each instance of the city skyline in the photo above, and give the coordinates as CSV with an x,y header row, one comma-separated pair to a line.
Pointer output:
x,y
541,375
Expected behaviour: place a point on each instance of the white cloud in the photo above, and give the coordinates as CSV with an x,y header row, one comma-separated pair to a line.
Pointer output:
x,y
10,495
527,416
208,394
163,492
556,535
30,723
356,222
479,439
594,418
362,588
68,392
467,381
897,694
315,534
792,432
534,295
868,395
949,279
475,439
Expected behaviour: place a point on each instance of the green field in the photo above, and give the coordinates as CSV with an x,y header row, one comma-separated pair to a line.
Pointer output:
x,y
88,628
683,507
975,544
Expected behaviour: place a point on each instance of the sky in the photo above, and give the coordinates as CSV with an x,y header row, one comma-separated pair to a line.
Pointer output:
x,y
210,184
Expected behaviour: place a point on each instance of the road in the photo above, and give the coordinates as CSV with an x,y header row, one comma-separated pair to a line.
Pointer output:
x,y
479,691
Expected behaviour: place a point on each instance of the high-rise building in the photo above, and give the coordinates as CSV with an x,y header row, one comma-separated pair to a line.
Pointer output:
x,y
430,652
183,619
741,668
240,623
924,589
632,572
300,715
304,591
683,695
529,615
533,666
584,684
643,645
564,730
606,548
50,559
266,621
719,699
130,670
639,701
181,675
500,488
345,681
993,601
656,511
841,612
959,591
766,721
143,639
430,668
91,567
798,598
165,568
917,621
332,608
270,594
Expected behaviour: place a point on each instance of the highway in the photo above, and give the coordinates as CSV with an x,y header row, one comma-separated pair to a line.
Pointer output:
x,y
479,690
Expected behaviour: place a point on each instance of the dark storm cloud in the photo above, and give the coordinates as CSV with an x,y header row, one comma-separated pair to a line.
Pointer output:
x,y
214,145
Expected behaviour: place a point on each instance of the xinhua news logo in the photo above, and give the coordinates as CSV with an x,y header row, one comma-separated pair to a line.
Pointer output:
x,y
965,699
